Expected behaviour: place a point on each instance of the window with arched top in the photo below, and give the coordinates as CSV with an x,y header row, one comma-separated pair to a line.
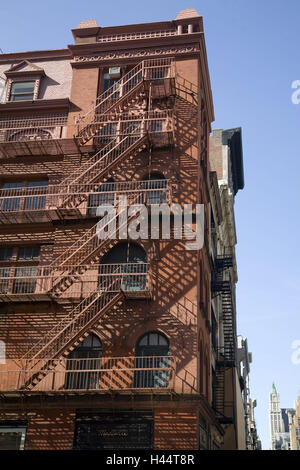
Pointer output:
x,y
155,186
152,354
83,365
125,267
103,196
29,134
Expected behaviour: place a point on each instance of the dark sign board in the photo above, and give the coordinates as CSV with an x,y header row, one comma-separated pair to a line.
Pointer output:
x,y
116,431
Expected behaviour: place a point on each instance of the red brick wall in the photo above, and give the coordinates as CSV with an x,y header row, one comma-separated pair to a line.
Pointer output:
x,y
176,429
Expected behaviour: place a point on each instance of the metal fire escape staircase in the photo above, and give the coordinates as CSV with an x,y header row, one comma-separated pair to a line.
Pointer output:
x,y
89,248
97,168
125,92
226,356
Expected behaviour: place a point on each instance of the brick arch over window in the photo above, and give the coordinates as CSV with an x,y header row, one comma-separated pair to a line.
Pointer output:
x,y
124,266
155,186
86,357
152,354
29,134
125,252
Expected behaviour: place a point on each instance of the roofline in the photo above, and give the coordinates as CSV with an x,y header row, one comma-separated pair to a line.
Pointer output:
x,y
12,57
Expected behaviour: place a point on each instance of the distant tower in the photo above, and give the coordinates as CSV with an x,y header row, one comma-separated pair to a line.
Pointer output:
x,y
276,425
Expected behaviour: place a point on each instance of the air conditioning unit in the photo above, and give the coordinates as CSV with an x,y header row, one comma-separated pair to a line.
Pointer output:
x,y
114,72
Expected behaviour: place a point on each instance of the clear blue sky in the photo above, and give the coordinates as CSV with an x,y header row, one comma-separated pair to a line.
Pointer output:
x,y
254,55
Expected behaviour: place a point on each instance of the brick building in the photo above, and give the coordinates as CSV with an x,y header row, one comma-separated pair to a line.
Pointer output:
x,y
107,342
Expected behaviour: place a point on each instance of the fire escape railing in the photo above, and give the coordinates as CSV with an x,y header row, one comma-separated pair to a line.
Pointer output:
x,y
221,284
23,280
120,95
95,374
52,196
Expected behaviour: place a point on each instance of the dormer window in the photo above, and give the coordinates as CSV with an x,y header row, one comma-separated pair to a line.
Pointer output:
x,y
21,91
23,81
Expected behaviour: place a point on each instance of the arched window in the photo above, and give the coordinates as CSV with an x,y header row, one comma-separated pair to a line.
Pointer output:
x,y
125,260
155,185
105,197
82,361
30,134
152,353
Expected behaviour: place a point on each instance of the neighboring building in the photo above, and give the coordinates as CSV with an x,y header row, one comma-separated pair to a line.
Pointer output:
x,y
108,343
279,422
226,178
245,359
294,425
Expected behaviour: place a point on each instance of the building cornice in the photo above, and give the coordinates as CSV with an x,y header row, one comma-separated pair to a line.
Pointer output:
x,y
52,54
138,49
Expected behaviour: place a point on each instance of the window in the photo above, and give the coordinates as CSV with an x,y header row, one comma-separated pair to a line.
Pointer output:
x,y
126,262
36,202
107,133
21,91
214,328
12,435
106,197
156,188
19,279
27,282
29,253
4,283
111,82
20,195
214,389
10,189
156,126
152,351
86,357
6,254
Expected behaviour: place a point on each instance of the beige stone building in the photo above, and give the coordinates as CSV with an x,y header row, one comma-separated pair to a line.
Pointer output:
x,y
294,424
227,177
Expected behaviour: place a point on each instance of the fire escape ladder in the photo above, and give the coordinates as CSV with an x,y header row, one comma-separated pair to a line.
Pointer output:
x,y
67,334
89,249
105,160
221,405
226,356
116,99
122,94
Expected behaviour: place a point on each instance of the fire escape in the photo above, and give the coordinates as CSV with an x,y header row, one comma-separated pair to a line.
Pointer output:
x,y
151,79
226,355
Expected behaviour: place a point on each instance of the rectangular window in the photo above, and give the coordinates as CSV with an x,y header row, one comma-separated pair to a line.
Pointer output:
x,y
14,195
10,190
6,254
29,253
21,91
12,436
107,133
27,282
156,126
4,283
110,82
36,202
